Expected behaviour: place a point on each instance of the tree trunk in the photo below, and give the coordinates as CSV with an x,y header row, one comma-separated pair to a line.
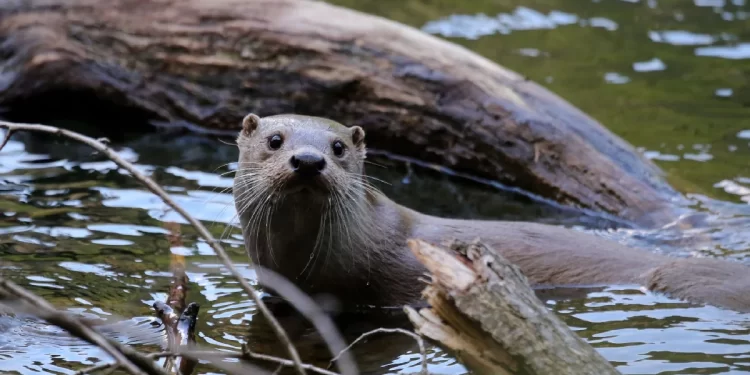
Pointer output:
x,y
205,64
484,311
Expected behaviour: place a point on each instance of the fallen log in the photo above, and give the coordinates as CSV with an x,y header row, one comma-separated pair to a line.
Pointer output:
x,y
484,311
203,65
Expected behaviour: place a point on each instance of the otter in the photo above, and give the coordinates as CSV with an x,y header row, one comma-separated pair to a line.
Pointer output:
x,y
308,212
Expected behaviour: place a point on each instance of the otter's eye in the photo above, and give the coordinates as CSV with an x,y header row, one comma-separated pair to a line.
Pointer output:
x,y
338,148
275,141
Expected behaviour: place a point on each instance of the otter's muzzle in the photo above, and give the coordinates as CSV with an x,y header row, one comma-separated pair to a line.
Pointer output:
x,y
307,164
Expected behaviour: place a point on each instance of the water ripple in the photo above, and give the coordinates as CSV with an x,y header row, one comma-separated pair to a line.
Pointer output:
x,y
522,18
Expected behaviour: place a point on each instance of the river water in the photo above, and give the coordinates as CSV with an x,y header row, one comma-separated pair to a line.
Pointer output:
x,y
671,77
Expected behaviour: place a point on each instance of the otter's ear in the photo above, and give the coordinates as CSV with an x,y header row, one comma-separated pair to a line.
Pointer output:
x,y
358,136
250,123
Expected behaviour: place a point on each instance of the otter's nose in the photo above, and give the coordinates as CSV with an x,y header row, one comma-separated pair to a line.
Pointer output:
x,y
307,164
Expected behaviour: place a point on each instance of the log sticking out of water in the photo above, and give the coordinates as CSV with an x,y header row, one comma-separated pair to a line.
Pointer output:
x,y
206,64
484,310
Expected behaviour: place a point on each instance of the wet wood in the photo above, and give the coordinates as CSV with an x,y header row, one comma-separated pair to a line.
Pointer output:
x,y
484,311
205,64
178,317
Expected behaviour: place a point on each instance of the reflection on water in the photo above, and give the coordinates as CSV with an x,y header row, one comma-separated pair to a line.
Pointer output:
x,y
644,333
28,345
522,18
669,76
94,243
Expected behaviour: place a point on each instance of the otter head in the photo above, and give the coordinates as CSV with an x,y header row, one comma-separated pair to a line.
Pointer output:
x,y
299,155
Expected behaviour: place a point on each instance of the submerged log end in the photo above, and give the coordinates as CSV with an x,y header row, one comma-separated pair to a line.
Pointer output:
x,y
483,309
461,337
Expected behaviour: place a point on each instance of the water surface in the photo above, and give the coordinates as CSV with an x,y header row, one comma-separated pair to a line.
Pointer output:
x,y
670,77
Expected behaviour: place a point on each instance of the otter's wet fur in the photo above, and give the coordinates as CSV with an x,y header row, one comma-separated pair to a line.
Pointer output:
x,y
332,233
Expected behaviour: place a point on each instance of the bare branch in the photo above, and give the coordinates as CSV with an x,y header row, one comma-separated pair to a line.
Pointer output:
x,y
129,359
99,367
202,231
180,331
180,327
416,337
195,355
216,357
283,362
114,365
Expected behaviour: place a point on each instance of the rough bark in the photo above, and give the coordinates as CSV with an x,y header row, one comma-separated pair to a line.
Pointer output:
x,y
205,64
484,310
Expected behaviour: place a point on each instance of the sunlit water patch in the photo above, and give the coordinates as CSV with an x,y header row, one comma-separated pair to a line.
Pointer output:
x,y
645,333
105,256
521,18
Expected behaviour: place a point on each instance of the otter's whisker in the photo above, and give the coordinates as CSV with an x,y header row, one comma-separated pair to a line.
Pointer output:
x,y
343,223
227,229
316,246
375,164
374,178
329,248
269,241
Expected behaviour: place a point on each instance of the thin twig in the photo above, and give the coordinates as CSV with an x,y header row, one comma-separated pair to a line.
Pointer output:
x,y
313,313
246,353
179,321
6,138
211,356
229,368
115,365
197,353
283,362
416,337
202,231
99,367
180,330
27,302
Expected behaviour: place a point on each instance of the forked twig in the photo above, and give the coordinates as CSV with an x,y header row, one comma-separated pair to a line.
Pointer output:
x,y
156,189
178,317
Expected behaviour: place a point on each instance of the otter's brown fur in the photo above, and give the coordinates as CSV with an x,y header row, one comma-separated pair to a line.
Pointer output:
x,y
332,233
